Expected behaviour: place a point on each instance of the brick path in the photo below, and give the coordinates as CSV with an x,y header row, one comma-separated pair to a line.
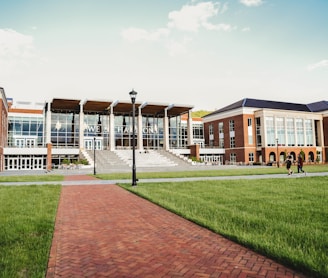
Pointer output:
x,y
105,231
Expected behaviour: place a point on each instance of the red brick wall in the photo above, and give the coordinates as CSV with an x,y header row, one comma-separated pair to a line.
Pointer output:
x,y
242,147
3,131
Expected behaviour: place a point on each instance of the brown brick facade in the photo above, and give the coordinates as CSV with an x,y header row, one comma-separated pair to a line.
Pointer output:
x,y
244,148
3,128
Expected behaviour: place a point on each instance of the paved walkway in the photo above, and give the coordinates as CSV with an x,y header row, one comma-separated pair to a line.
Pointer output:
x,y
103,230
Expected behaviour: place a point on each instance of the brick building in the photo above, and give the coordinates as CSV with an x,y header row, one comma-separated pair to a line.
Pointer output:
x,y
262,131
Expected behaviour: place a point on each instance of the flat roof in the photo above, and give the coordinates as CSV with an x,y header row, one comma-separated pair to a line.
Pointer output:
x,y
119,107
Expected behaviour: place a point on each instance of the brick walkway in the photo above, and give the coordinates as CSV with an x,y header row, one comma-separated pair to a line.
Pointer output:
x,y
105,231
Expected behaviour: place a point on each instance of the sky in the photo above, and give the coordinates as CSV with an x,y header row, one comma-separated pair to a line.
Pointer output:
x,y
207,54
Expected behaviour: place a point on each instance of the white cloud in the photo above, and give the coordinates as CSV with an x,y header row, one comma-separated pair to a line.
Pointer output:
x,y
251,3
177,47
246,29
136,34
192,17
321,64
15,45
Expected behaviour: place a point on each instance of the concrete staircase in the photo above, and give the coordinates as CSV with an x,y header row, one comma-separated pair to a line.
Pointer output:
x,y
121,160
145,159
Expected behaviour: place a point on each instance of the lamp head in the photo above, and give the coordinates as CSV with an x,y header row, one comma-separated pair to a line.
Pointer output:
x,y
133,95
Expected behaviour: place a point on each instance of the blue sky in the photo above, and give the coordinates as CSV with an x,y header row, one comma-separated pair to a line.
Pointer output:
x,y
202,53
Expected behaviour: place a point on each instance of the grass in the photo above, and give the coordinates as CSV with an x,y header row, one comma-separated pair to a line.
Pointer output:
x,y
234,171
27,215
31,178
285,219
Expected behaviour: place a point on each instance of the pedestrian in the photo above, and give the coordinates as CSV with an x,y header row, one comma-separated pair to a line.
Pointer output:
x,y
289,164
300,164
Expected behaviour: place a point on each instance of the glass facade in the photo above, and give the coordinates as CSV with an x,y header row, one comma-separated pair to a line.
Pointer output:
x,y
309,132
270,131
25,131
290,132
281,131
64,130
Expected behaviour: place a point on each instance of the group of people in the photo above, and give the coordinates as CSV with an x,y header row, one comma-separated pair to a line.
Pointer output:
x,y
289,162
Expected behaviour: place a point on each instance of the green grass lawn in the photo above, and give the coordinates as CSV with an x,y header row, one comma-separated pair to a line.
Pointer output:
x,y
207,172
285,219
32,178
27,215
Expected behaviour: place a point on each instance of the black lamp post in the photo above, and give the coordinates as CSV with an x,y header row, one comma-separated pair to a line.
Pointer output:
x,y
277,140
94,155
133,95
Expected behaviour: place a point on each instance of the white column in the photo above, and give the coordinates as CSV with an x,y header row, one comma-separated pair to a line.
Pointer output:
x,y
286,131
321,136
166,131
48,124
139,131
81,134
313,133
189,130
111,129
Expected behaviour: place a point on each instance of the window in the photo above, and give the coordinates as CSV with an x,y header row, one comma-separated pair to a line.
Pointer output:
x,y
309,132
250,131
280,131
290,132
251,157
258,132
232,142
211,135
25,131
233,158
300,132
270,131
221,135
232,133
231,125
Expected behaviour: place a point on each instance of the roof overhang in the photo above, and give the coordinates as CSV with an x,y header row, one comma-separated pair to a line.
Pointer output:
x,y
119,107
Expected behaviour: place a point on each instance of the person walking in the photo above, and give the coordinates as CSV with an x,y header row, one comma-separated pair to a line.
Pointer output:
x,y
289,164
300,164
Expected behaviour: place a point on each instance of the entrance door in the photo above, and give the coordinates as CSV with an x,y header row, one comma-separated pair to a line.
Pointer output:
x,y
88,144
12,163
30,143
91,144
20,143
38,163
25,163
98,144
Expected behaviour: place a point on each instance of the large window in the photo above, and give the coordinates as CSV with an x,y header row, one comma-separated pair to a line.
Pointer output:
x,y
221,135
281,131
211,135
300,132
270,131
65,129
290,132
250,131
25,131
309,132
152,132
258,132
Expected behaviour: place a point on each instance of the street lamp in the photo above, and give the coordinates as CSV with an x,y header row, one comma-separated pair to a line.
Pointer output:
x,y
94,155
277,140
133,95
